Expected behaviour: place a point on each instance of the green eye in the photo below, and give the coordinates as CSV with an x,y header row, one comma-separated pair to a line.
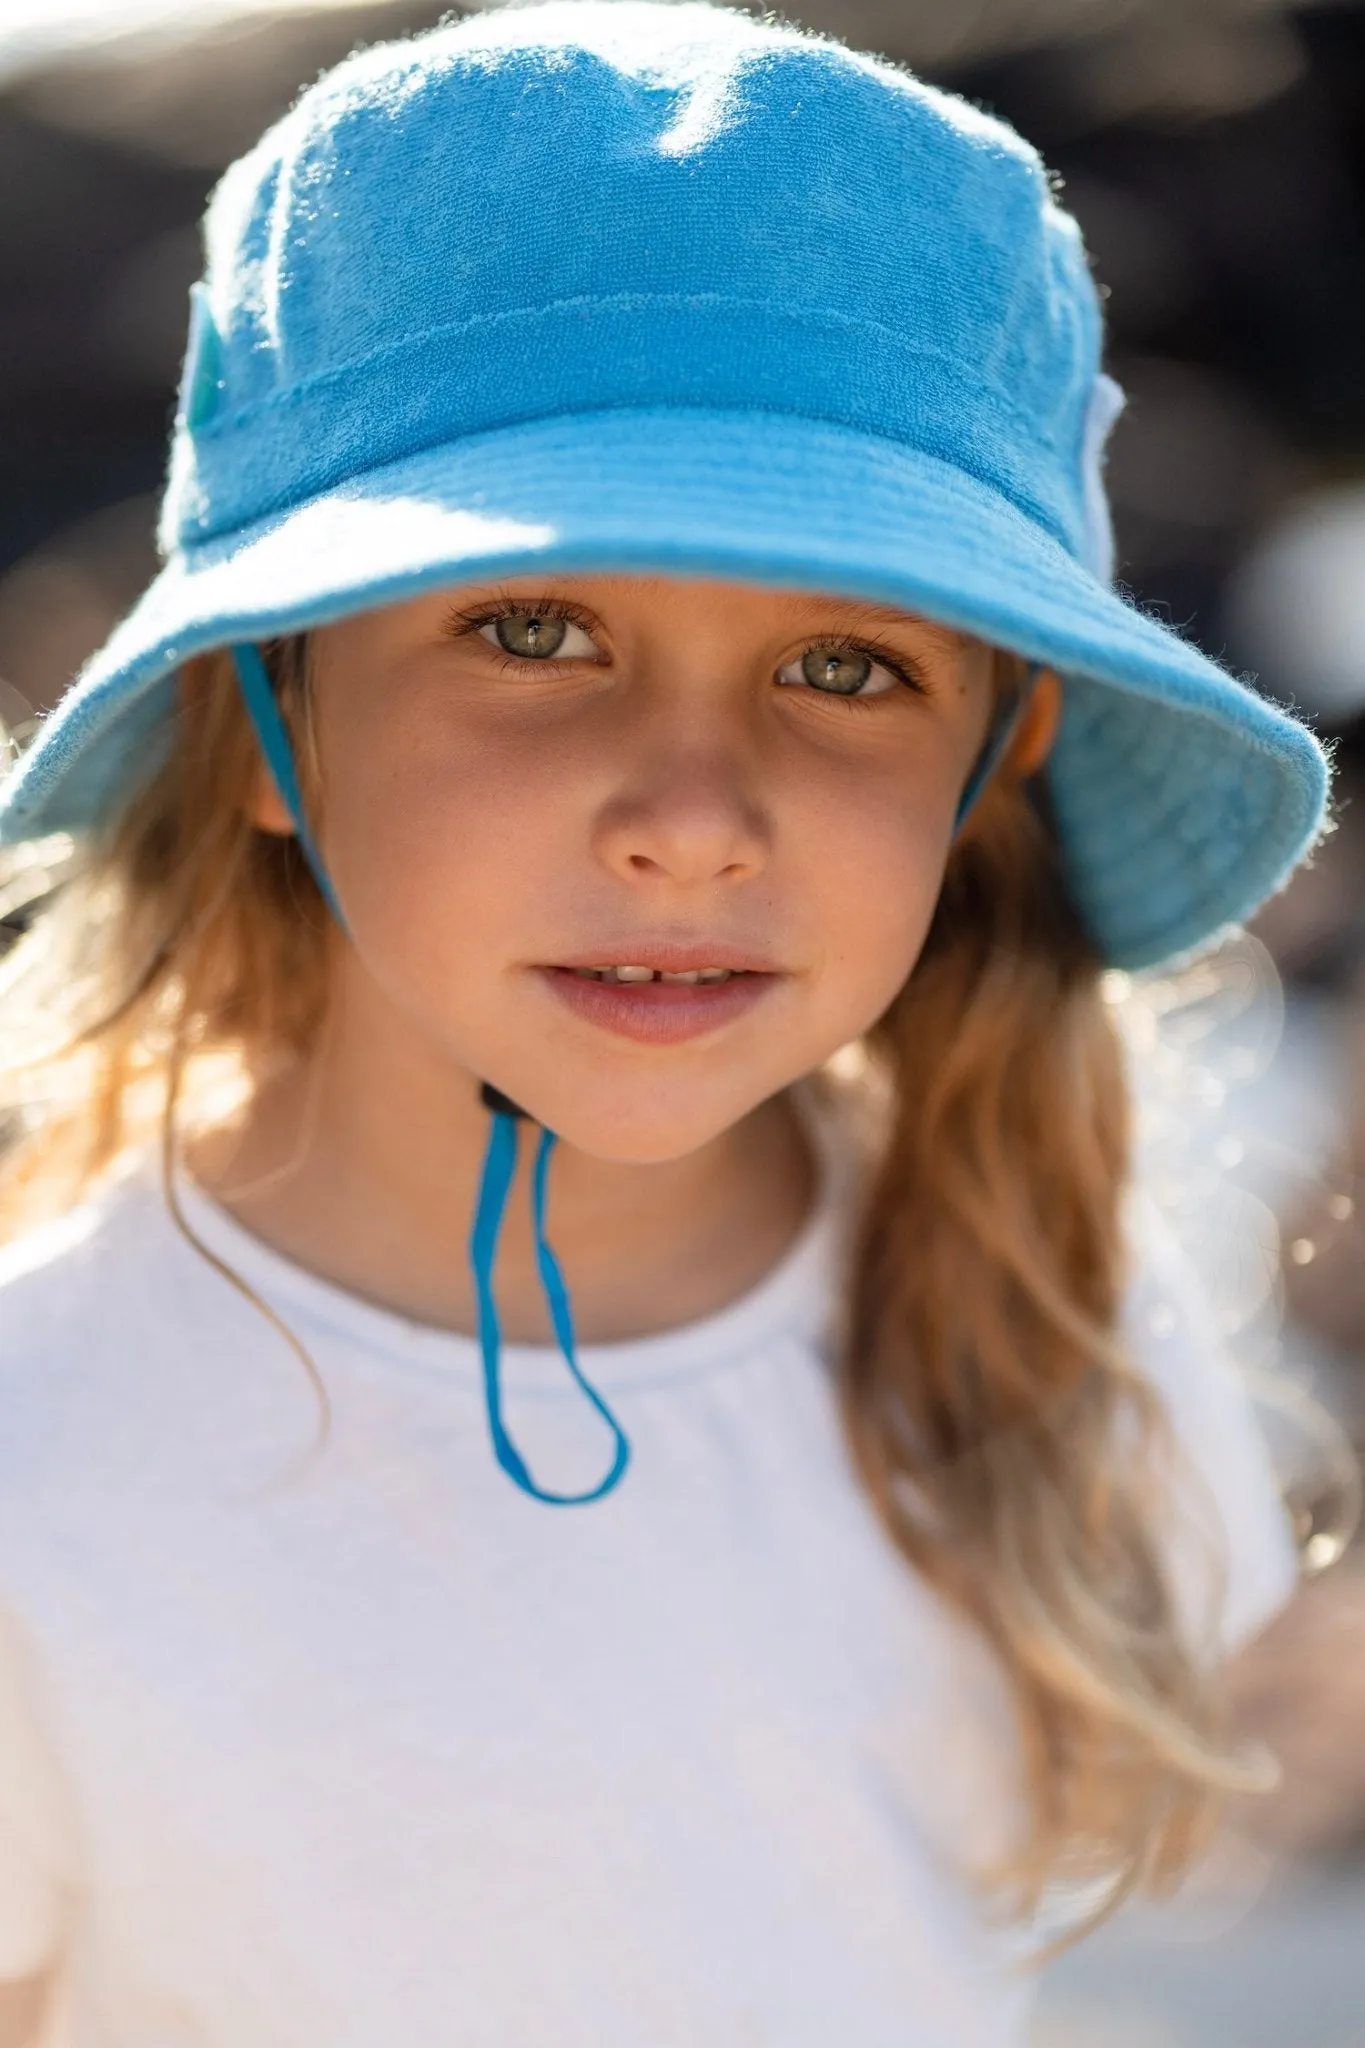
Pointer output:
x,y
538,635
839,670
530,635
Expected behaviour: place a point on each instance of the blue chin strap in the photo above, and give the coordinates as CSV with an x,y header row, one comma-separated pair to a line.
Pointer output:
x,y
500,1157
499,1171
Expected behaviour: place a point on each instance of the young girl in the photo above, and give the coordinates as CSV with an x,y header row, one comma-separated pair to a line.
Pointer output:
x,y
634,666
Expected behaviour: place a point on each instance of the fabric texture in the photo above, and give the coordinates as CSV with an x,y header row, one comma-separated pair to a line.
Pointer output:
x,y
296,1740
616,285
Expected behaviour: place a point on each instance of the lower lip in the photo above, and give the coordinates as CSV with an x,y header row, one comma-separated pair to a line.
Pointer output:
x,y
659,1012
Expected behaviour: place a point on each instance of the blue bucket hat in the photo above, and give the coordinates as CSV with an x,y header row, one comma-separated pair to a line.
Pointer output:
x,y
617,285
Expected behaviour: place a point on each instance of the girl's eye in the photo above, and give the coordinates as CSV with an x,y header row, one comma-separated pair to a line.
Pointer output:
x,y
538,636
839,672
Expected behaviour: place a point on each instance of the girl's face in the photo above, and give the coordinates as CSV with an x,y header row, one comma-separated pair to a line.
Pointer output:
x,y
550,805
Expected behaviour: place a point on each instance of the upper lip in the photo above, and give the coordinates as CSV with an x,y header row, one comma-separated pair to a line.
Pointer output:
x,y
672,956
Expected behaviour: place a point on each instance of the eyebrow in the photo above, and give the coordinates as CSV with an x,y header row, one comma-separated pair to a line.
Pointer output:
x,y
798,601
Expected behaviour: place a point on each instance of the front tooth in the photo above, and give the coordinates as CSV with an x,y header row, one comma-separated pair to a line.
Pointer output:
x,y
688,974
713,974
634,973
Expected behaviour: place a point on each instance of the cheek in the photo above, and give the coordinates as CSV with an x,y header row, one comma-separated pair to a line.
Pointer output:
x,y
434,838
873,889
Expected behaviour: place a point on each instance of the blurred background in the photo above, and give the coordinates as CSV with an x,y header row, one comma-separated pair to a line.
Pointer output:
x,y
1214,151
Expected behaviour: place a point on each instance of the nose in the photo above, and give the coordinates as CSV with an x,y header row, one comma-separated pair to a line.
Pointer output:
x,y
687,817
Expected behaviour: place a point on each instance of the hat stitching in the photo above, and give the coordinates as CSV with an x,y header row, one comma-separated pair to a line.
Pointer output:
x,y
223,424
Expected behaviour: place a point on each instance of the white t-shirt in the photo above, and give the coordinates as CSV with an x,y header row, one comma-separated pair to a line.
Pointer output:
x,y
371,1748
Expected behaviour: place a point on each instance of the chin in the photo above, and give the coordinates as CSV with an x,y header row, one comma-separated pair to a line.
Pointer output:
x,y
637,1125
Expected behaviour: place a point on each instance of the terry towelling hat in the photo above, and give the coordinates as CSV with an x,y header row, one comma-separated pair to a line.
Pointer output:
x,y
619,285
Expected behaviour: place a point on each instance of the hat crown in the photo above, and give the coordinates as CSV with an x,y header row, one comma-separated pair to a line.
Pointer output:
x,y
616,204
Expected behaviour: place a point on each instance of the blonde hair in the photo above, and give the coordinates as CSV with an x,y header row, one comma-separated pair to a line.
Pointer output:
x,y
1017,1459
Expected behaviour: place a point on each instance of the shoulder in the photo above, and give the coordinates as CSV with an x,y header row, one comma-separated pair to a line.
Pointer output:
x,y
100,1312
137,1386
1231,1493
79,1269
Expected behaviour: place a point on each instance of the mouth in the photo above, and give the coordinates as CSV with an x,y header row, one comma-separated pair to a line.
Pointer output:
x,y
664,1001
635,977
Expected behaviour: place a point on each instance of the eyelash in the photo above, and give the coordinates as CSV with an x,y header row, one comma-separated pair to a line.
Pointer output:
x,y
899,665
461,622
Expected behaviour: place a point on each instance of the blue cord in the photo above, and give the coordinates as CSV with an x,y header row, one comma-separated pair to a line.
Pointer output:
x,y
561,1315
499,1171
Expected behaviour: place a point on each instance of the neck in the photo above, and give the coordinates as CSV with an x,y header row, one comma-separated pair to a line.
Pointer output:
x,y
366,1170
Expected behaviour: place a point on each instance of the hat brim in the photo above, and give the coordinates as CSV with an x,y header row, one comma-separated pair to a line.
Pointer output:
x,y
1182,798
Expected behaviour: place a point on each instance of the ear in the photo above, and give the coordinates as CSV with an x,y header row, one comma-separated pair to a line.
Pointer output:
x,y
265,807
1037,729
